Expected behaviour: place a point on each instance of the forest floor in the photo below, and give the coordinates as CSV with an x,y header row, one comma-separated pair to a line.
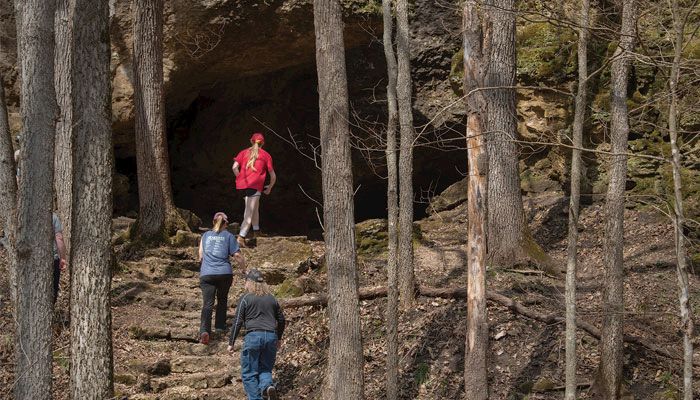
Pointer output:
x,y
156,303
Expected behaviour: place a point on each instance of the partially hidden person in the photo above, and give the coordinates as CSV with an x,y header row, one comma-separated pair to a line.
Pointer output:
x,y
261,315
251,167
216,274
59,254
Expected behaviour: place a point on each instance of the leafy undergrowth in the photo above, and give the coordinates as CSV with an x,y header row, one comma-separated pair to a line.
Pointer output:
x,y
156,310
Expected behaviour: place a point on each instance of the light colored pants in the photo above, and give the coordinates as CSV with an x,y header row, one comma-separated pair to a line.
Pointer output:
x,y
251,215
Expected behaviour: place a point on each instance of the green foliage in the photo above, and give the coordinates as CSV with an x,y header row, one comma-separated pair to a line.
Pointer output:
x,y
420,375
545,53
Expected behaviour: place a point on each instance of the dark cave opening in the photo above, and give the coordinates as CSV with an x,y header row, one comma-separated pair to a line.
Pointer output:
x,y
204,137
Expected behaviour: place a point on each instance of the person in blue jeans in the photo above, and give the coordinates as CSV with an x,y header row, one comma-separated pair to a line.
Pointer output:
x,y
260,313
216,274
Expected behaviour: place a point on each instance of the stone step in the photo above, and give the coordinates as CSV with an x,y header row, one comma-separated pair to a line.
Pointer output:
x,y
187,393
173,253
188,334
195,364
200,380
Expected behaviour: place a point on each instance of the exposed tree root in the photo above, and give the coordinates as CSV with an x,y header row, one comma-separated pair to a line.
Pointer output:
x,y
369,293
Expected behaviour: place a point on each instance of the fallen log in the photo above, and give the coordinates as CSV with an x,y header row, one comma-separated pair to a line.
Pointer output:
x,y
369,293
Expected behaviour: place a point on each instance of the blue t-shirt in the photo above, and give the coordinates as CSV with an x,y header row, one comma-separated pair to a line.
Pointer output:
x,y
216,249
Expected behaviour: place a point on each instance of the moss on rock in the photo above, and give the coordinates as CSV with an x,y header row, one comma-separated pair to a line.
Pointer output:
x,y
545,52
288,288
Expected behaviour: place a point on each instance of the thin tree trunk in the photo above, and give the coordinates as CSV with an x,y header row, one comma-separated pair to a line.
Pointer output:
x,y
475,363
158,217
403,92
392,319
63,160
574,200
345,360
682,267
506,224
609,377
91,319
8,197
34,228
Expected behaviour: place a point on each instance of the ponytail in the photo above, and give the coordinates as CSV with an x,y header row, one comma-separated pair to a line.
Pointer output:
x,y
253,155
219,222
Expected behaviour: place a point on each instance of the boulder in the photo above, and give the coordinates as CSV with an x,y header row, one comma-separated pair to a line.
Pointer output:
x,y
192,220
450,198
371,236
279,258
185,239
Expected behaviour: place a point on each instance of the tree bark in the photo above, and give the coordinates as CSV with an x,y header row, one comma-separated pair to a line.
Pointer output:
x,y
506,223
34,228
8,197
682,267
345,360
609,376
574,200
158,218
403,91
63,160
475,363
91,319
392,318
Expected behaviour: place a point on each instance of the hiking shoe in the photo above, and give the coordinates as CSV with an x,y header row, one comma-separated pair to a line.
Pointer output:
x,y
271,393
204,338
251,242
241,241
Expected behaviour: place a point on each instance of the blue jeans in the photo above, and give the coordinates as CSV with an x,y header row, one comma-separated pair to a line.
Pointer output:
x,y
257,359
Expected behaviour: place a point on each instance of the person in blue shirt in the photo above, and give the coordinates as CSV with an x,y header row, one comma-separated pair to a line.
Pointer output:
x,y
216,274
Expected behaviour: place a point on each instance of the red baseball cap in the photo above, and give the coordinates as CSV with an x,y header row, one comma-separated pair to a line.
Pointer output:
x,y
257,138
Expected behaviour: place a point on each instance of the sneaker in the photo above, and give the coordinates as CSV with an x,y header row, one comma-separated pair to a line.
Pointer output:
x,y
204,338
271,393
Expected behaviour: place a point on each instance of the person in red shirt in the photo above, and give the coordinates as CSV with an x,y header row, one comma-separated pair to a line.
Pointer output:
x,y
251,167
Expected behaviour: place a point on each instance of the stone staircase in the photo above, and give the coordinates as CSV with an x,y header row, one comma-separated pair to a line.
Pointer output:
x,y
156,311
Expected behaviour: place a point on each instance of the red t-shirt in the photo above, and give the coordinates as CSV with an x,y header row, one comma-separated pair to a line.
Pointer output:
x,y
250,178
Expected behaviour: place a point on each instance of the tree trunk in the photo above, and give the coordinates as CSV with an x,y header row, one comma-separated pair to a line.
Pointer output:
x,y
682,267
63,160
475,363
392,318
506,223
609,377
574,200
8,197
91,319
345,360
158,217
34,228
403,91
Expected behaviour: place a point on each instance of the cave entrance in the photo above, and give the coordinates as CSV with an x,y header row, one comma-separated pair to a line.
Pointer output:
x,y
204,137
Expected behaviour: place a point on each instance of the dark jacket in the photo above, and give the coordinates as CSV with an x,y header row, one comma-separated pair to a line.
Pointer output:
x,y
258,313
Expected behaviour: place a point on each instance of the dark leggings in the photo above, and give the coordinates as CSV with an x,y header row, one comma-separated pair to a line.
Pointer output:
x,y
56,278
214,285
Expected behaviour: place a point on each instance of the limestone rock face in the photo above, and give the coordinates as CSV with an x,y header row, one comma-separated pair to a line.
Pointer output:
x,y
451,197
